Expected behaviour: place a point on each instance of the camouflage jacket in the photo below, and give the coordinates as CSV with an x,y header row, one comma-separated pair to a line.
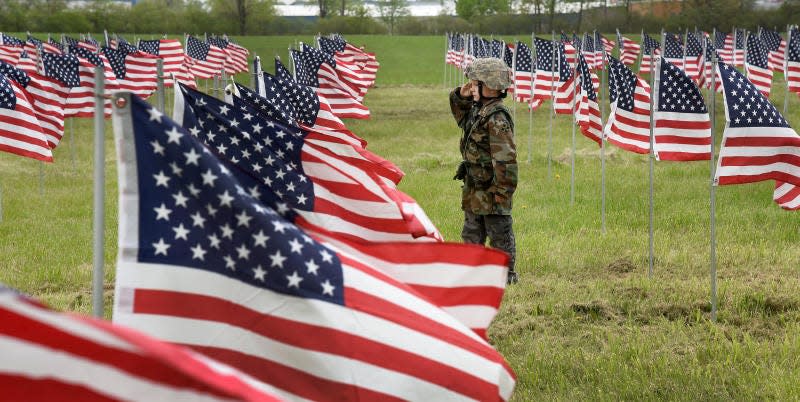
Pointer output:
x,y
489,155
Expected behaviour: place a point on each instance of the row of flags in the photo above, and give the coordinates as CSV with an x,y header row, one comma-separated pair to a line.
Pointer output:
x,y
47,81
261,233
679,121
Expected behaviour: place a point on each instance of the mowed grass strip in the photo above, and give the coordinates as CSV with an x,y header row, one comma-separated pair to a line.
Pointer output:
x,y
585,321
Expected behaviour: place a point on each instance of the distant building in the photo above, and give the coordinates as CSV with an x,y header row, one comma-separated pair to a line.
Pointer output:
x,y
84,3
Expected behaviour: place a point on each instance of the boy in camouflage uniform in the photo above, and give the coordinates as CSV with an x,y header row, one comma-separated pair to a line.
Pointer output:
x,y
489,165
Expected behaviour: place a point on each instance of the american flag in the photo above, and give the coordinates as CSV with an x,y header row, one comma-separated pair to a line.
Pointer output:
x,y
707,65
275,105
546,79
758,71
53,46
523,80
564,96
681,123
348,73
587,114
349,53
723,46
570,51
793,62
628,125
508,55
171,52
236,61
738,49
229,277
776,47
758,144
455,49
629,50
205,60
608,44
136,71
650,47
11,40
694,56
673,50
496,48
312,69
32,46
20,132
325,190
10,54
80,102
47,98
49,355
787,196
588,51
62,67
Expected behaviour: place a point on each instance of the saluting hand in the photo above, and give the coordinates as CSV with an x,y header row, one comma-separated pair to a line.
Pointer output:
x,y
466,90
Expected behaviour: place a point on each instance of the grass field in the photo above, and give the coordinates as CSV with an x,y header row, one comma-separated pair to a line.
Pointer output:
x,y
585,321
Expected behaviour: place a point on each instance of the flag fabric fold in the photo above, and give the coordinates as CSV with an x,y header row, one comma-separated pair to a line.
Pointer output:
x,y
628,125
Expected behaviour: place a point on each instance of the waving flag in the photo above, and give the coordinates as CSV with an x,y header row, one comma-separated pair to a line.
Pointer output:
x,y
787,196
251,290
349,73
204,59
758,72
793,62
673,50
587,114
136,71
455,49
236,56
47,97
758,144
275,105
325,190
776,47
564,96
523,81
508,55
629,50
545,80
588,52
682,126
171,52
693,57
348,53
570,51
628,125
80,102
11,40
738,47
650,47
20,133
50,356
10,54
312,69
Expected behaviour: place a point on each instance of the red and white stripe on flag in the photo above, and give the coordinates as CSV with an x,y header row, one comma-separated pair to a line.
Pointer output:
x,y
20,131
522,89
758,144
54,356
48,97
760,77
630,129
10,54
630,51
80,102
787,196
564,96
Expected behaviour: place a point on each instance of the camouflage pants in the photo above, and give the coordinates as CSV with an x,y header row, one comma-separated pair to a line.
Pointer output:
x,y
498,228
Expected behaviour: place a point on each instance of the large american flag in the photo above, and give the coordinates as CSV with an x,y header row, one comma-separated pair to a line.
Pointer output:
x,y
171,52
136,71
758,71
20,132
349,73
312,69
220,272
361,67
758,144
49,355
523,80
776,47
323,189
204,59
682,127
628,125
80,102
650,47
587,114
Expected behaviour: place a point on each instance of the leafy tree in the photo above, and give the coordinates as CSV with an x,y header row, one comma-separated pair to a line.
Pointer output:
x,y
391,10
470,9
240,13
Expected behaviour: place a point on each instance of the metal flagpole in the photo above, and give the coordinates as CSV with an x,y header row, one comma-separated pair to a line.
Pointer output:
x,y
161,97
655,79
786,67
572,151
514,80
602,139
99,193
446,49
254,76
713,193
552,107
530,101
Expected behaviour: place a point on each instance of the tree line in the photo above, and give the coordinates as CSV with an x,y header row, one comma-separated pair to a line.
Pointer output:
x,y
501,17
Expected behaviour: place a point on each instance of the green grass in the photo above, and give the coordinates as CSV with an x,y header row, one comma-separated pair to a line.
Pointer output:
x,y
585,321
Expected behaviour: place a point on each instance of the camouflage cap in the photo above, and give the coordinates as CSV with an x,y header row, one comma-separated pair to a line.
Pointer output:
x,y
493,72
